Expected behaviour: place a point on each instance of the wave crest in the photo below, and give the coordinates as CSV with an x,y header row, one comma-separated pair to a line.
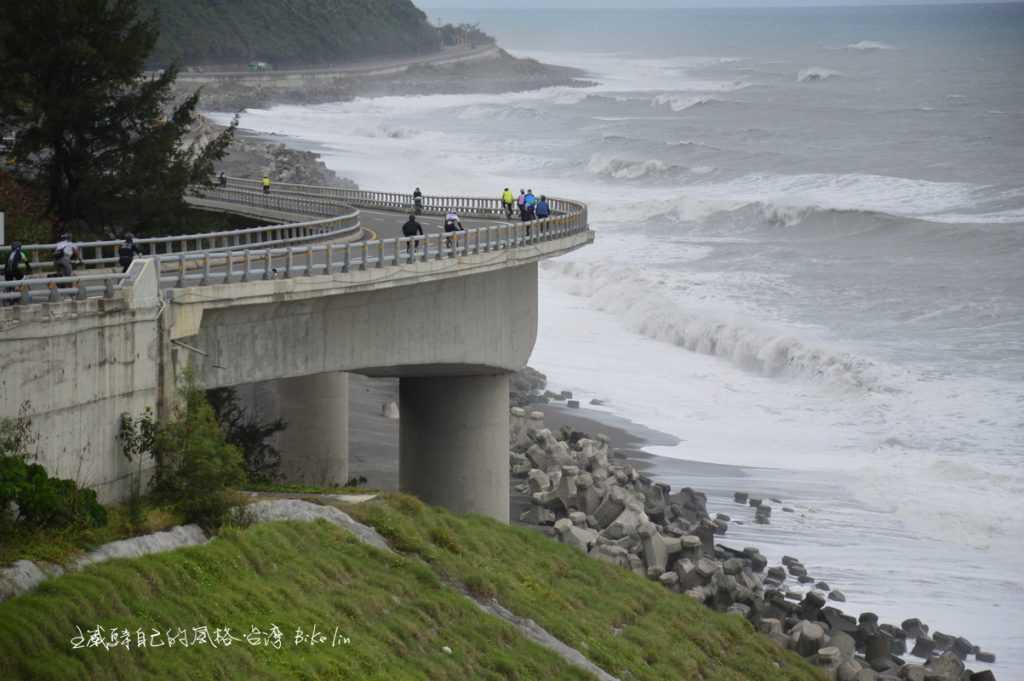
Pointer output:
x,y
629,296
869,46
677,103
817,73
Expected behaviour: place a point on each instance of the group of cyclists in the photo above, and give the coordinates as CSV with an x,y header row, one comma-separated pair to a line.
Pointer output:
x,y
529,207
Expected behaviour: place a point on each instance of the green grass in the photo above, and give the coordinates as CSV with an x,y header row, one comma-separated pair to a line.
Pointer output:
x,y
62,545
397,610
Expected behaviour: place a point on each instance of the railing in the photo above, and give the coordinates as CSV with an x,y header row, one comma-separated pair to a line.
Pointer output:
x,y
55,289
285,263
340,220
287,250
464,205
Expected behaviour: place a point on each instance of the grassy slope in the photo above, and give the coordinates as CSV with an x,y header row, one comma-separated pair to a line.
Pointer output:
x,y
63,545
397,611
292,32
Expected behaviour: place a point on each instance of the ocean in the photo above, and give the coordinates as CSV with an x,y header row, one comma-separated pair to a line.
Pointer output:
x,y
809,267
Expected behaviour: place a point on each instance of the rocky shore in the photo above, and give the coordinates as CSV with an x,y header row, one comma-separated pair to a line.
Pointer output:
x,y
584,494
252,156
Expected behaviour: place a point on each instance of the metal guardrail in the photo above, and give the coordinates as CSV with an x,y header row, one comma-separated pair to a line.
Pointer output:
x,y
339,220
439,204
56,289
286,250
285,263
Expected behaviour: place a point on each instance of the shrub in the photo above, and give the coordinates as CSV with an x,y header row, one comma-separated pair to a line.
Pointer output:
x,y
41,501
195,465
55,502
243,429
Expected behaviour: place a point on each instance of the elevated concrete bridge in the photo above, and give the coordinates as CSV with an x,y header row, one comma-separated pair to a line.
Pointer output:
x,y
285,312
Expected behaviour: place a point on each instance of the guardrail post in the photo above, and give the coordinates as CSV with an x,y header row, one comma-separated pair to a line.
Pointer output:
x,y
229,268
181,270
398,248
54,296
366,255
347,264
309,261
206,270
108,288
329,265
380,253
245,265
440,246
288,264
268,265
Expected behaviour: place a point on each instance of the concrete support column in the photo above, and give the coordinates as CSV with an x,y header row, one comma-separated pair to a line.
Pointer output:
x,y
454,442
314,447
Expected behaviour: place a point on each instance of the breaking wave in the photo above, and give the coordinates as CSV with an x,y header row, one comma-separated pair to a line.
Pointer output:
x,y
622,169
629,295
869,46
817,73
677,103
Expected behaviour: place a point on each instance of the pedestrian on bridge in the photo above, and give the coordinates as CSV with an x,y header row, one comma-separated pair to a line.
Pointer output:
x,y
521,202
222,179
412,228
507,201
266,184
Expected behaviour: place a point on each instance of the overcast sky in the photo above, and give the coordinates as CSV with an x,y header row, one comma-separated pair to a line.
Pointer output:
x,y
507,4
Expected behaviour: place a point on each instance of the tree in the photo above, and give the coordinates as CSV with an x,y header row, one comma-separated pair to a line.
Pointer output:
x,y
103,136
243,428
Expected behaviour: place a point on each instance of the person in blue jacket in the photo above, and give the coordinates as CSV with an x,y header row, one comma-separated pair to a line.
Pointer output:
x,y
543,210
530,203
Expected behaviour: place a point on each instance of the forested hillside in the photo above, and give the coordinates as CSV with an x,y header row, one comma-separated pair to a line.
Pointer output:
x,y
288,32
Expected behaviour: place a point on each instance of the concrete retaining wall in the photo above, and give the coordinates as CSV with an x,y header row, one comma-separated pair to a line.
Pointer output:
x,y
80,365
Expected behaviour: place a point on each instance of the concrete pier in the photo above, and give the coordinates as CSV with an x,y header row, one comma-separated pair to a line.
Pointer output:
x,y
314,446
454,442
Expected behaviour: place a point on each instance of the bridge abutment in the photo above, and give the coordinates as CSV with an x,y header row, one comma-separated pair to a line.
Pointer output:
x,y
453,440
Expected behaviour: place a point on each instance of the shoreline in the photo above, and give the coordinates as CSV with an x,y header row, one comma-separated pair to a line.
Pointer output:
x,y
575,488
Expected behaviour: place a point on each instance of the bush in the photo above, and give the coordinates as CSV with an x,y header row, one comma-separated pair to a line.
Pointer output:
x,y
55,502
41,501
195,465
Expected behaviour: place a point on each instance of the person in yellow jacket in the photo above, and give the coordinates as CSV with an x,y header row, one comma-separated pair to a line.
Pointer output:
x,y
507,202
266,184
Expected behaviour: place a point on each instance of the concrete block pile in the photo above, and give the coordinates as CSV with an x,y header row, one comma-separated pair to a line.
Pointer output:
x,y
587,497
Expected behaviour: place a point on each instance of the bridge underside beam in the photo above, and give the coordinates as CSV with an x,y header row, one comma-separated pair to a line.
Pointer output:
x,y
453,440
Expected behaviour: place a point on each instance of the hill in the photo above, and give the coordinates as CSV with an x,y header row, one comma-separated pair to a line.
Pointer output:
x,y
288,32
403,615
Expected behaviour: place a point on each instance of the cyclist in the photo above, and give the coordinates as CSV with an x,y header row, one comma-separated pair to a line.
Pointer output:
x,y
452,224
